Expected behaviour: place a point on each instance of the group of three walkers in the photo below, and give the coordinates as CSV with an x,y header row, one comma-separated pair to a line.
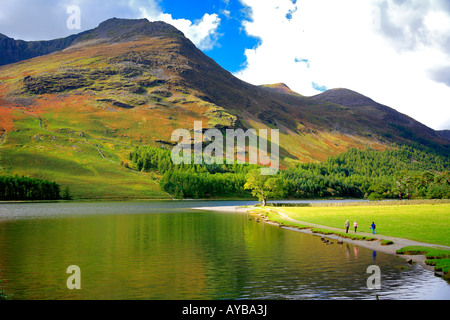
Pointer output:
x,y
355,225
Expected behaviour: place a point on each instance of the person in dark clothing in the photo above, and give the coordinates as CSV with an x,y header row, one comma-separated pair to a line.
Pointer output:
x,y
373,226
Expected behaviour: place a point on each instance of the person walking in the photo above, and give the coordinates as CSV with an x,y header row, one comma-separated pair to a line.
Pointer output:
x,y
373,226
355,225
347,225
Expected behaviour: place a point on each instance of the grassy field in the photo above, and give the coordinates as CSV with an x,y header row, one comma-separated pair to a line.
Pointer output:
x,y
428,223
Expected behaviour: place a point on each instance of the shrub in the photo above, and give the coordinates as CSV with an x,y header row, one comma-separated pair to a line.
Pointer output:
x,y
3,295
375,196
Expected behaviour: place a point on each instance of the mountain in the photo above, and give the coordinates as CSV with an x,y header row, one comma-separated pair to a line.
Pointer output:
x,y
113,30
75,111
445,133
393,123
18,50
281,88
346,97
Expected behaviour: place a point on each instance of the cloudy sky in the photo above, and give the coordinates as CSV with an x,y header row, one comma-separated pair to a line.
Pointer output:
x,y
395,51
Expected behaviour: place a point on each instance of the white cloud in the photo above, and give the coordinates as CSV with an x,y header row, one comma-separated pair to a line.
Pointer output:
x,y
203,32
226,13
393,51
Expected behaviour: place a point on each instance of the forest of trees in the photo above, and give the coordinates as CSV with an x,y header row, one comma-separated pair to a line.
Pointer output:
x,y
403,172
25,188
194,180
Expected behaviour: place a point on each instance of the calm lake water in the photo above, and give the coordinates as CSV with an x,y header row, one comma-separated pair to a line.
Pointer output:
x,y
162,250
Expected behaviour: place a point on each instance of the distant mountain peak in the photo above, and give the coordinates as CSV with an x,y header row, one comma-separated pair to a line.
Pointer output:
x,y
280,87
118,21
445,134
124,30
345,97
139,26
113,30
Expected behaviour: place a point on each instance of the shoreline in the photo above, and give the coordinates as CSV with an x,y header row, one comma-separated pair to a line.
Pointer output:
x,y
399,243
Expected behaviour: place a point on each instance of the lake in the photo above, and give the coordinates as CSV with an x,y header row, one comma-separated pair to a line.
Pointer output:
x,y
165,251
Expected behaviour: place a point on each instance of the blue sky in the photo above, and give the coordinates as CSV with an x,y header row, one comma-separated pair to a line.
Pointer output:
x,y
396,52
231,40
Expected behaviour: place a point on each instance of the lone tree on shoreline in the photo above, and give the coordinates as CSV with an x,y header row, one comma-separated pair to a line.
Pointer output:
x,y
264,186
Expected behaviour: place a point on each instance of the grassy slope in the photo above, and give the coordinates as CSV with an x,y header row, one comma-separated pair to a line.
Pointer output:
x,y
426,222
72,162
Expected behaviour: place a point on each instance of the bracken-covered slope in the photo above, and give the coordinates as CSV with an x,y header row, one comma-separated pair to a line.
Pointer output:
x,y
75,114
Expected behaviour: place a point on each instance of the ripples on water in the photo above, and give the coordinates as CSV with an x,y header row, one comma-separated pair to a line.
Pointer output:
x,y
151,250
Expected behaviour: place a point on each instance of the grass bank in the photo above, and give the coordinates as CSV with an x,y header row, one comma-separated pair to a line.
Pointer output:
x,y
439,259
429,223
